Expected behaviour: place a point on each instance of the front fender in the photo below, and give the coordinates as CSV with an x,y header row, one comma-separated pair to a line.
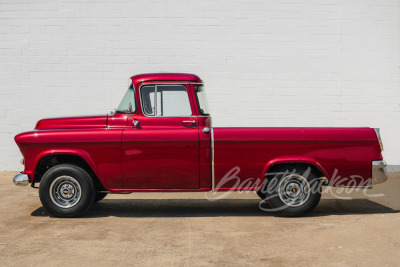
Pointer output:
x,y
63,151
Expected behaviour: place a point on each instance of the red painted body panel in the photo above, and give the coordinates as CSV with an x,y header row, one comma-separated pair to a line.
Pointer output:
x,y
72,123
164,77
164,155
100,148
348,150
161,153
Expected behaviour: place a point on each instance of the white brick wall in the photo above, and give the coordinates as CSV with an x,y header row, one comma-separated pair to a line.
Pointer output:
x,y
265,63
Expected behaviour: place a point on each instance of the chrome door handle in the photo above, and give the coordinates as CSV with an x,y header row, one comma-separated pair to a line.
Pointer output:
x,y
191,124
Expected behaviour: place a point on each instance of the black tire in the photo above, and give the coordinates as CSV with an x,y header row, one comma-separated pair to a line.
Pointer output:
x,y
293,190
261,194
99,196
66,191
264,203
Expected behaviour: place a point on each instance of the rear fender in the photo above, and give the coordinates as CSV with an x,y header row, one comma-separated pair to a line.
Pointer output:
x,y
288,160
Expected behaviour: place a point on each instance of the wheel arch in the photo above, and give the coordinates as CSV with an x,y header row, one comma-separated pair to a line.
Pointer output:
x,y
279,162
49,158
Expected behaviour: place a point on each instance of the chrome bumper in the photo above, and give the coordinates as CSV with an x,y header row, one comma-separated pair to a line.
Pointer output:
x,y
379,172
21,179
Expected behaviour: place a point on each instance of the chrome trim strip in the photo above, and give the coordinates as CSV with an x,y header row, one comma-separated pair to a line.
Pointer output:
x,y
21,179
212,161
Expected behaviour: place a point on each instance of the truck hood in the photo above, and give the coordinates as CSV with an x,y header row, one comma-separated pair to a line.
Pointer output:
x,y
99,121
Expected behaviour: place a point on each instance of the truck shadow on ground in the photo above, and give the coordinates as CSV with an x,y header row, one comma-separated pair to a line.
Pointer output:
x,y
221,208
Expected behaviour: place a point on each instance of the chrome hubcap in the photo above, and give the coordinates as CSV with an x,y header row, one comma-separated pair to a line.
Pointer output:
x,y
294,190
65,192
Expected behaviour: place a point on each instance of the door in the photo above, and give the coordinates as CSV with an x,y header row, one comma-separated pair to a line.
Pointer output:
x,y
160,146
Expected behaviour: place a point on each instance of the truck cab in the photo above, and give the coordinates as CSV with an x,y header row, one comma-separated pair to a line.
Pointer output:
x,y
168,118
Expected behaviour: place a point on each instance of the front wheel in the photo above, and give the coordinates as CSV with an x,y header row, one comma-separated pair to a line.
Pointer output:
x,y
66,191
293,191
99,196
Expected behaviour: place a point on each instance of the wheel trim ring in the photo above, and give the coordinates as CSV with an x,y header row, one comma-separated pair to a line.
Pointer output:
x,y
57,197
294,202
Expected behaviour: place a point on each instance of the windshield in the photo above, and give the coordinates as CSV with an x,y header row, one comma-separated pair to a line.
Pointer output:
x,y
128,103
202,100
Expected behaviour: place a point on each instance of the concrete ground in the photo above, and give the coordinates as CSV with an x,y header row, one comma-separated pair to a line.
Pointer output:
x,y
185,229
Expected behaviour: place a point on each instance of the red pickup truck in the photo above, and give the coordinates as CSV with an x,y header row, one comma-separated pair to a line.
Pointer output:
x,y
161,139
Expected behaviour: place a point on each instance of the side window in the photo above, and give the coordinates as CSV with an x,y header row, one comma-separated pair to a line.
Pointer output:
x,y
148,96
165,101
128,103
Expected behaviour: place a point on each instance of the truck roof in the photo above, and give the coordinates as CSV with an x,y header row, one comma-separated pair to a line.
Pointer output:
x,y
165,77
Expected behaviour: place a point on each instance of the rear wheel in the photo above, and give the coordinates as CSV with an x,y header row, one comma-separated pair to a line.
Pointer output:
x,y
294,190
264,203
66,191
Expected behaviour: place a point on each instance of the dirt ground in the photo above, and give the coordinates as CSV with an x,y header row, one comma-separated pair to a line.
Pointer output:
x,y
186,229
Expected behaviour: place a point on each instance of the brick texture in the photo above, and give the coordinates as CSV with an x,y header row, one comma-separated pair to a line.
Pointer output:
x,y
264,63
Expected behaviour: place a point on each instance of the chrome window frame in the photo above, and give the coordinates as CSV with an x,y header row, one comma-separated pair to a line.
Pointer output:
x,y
155,99
136,102
198,102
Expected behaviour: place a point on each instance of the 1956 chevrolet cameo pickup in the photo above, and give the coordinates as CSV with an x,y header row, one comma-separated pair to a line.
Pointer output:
x,y
161,139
